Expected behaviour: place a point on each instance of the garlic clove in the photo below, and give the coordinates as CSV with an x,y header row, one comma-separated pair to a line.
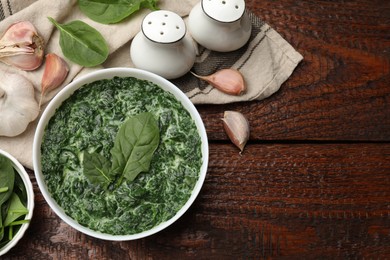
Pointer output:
x,y
236,126
23,62
229,81
19,32
21,46
56,70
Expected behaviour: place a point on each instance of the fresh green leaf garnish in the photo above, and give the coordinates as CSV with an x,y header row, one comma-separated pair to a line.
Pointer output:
x,y
97,169
81,43
137,140
134,146
113,11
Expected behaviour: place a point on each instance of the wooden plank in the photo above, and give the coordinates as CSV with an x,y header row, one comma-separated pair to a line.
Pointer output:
x,y
294,201
340,91
302,189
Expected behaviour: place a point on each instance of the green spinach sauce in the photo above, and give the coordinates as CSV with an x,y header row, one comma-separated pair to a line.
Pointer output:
x,y
89,121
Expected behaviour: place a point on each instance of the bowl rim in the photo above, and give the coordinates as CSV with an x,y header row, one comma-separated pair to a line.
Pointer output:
x,y
30,201
109,73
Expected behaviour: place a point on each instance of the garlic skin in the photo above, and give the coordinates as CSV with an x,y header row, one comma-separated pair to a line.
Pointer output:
x,y
18,106
237,127
229,81
21,46
56,70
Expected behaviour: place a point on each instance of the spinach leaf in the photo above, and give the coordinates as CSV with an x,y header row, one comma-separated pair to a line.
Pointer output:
x,y
11,207
1,237
15,211
113,11
81,43
134,145
3,212
7,179
97,169
4,208
20,189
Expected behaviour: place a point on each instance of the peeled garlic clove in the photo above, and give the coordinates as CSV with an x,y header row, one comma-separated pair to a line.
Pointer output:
x,y
21,46
236,126
56,70
229,81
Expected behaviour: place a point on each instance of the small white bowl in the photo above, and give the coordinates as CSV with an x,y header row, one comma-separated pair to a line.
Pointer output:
x,y
30,201
109,74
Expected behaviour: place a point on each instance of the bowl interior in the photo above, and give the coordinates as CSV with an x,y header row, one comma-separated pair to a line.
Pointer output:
x,y
30,201
108,74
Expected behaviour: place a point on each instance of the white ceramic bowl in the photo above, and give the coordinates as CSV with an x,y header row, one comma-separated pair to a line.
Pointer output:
x,y
108,74
30,201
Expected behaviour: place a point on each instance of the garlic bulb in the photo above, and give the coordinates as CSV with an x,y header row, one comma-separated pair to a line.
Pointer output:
x,y
21,46
236,126
17,104
229,81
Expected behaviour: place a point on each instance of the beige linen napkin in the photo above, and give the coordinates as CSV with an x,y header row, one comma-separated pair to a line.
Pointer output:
x,y
266,61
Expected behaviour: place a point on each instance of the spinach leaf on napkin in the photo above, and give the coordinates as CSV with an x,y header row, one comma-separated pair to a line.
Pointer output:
x,y
113,11
81,43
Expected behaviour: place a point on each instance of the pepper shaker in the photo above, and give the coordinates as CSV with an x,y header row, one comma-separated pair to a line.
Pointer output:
x,y
163,45
220,25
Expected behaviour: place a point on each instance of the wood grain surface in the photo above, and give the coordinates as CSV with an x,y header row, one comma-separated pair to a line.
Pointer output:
x,y
340,91
314,180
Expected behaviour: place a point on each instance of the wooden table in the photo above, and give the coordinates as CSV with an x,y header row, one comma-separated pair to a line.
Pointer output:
x,y
314,181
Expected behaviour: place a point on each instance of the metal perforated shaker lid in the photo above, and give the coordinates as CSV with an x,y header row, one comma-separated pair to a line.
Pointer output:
x,y
163,27
226,11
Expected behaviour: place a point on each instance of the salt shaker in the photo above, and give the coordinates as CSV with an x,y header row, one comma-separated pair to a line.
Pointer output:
x,y
163,45
220,25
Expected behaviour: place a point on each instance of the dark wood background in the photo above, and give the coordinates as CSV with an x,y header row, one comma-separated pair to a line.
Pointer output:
x,y
314,181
